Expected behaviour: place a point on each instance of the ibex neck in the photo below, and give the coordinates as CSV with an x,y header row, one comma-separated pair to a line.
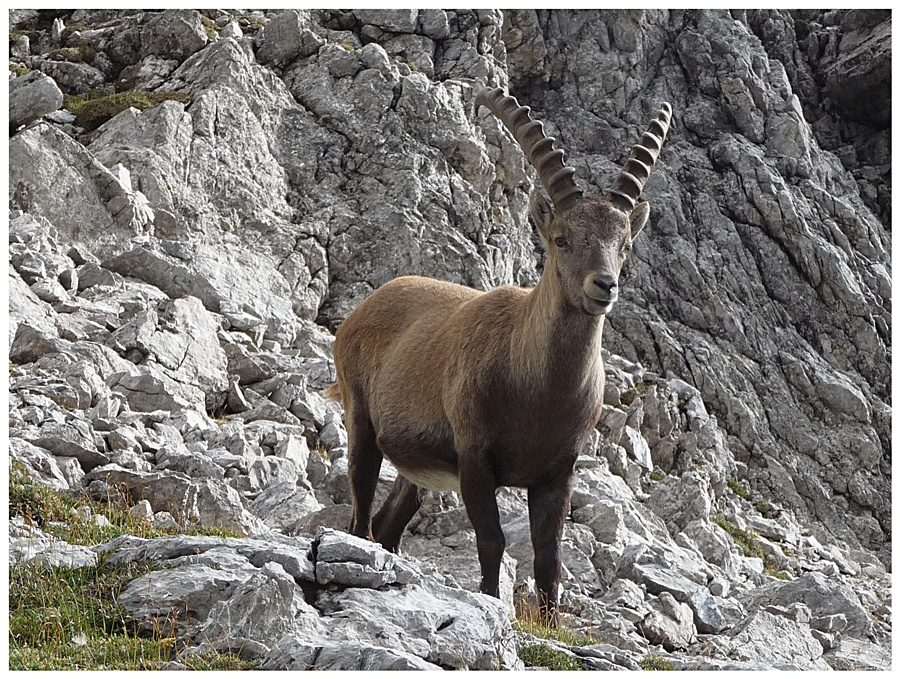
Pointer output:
x,y
556,342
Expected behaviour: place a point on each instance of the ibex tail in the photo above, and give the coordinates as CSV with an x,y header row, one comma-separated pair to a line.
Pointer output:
x,y
333,392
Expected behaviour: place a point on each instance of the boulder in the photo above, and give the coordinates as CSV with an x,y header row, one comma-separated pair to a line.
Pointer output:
x,y
32,96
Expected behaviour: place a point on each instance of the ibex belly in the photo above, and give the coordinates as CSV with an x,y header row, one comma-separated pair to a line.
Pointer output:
x,y
426,460
432,479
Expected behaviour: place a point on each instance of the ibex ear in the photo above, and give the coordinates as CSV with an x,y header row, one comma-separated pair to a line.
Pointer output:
x,y
542,214
639,217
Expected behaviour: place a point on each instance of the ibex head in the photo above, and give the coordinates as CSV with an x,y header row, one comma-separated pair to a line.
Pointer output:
x,y
587,238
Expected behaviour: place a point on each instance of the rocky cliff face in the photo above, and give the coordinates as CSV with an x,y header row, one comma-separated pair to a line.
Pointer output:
x,y
190,261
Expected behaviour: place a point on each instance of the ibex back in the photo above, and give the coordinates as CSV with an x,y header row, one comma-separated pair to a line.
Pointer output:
x,y
466,390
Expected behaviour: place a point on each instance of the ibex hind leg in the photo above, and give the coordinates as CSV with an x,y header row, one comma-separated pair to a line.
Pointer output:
x,y
364,463
398,509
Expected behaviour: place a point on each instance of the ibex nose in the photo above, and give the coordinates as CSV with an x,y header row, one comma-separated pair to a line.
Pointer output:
x,y
601,287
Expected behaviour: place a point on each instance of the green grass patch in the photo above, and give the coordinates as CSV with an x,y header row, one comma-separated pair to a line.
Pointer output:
x,y
71,29
250,25
746,540
637,391
209,27
767,509
539,654
95,108
657,475
68,619
56,514
773,571
15,35
64,618
544,655
531,625
737,488
654,662
82,52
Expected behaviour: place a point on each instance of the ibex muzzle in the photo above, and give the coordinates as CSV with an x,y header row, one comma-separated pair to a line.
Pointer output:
x,y
473,390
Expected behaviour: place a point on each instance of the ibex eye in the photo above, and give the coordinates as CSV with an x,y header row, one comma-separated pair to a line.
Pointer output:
x,y
560,242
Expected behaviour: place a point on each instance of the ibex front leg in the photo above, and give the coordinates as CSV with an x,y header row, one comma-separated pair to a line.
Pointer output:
x,y
548,506
477,487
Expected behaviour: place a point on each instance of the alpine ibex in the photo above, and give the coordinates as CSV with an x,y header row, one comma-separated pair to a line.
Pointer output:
x,y
467,390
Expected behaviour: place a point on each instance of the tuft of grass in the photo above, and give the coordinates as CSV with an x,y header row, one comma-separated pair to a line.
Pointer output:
x,y
528,620
746,540
654,662
250,24
657,474
18,70
772,570
210,28
560,634
94,108
737,488
82,52
70,29
68,619
15,35
56,514
54,610
544,655
635,392
767,509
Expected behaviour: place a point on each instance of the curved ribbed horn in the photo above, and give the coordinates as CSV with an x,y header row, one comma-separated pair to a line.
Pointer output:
x,y
628,185
537,147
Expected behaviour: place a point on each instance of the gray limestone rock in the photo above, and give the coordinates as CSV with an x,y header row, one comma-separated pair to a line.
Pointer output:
x,y
856,77
296,653
823,596
394,20
670,623
29,342
180,336
182,597
174,34
84,218
680,500
282,506
286,37
50,470
353,562
189,501
32,96
449,627
858,654
148,390
775,640
261,609
73,439
49,552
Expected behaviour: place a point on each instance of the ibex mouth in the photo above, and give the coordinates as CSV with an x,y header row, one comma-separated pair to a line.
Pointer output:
x,y
600,294
598,307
